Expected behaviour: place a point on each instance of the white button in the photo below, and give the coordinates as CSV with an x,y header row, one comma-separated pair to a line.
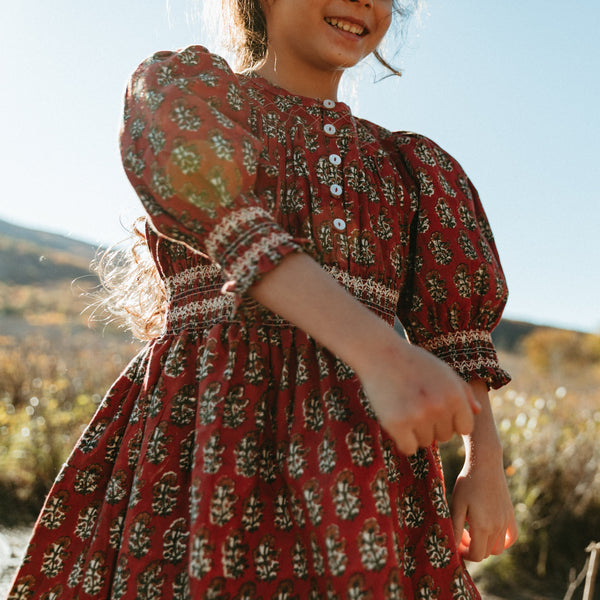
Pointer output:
x,y
335,159
339,224
329,129
336,189
328,103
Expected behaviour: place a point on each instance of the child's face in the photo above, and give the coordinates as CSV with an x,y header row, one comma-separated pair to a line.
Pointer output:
x,y
326,35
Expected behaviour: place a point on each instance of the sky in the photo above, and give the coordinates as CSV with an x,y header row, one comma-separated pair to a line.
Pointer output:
x,y
511,89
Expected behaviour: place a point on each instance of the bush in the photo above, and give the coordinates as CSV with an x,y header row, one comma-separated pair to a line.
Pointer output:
x,y
48,394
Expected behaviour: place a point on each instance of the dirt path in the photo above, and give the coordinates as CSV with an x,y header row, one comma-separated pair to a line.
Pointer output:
x,y
12,547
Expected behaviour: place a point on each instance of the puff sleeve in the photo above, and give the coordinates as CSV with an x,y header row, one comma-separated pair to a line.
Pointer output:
x,y
455,289
187,148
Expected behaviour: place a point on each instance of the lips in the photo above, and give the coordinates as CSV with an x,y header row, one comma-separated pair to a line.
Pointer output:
x,y
347,26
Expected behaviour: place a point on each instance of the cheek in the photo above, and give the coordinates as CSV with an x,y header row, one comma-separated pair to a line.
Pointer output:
x,y
384,22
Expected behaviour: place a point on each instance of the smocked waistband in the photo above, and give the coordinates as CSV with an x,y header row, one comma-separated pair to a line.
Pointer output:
x,y
195,299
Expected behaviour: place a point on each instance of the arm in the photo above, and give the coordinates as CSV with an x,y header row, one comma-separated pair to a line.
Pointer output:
x,y
481,496
416,397
189,152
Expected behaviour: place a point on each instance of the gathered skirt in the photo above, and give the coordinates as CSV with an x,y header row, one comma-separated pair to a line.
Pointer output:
x,y
242,461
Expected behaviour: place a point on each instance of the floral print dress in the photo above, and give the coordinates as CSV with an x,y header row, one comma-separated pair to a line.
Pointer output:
x,y
236,458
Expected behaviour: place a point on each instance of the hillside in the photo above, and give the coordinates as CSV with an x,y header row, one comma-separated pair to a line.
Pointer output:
x,y
31,257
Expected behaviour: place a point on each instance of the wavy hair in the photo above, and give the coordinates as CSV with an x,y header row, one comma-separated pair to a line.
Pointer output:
x,y
131,292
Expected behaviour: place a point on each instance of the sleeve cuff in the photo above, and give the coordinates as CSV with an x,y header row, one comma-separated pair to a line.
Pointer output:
x,y
248,243
471,354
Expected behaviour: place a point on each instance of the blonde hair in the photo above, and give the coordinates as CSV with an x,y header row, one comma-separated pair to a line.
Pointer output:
x,y
131,292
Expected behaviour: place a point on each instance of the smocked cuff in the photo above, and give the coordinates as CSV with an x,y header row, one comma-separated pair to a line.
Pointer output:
x,y
248,243
471,354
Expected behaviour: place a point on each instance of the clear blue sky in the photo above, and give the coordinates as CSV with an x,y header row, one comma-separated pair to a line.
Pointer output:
x,y
510,89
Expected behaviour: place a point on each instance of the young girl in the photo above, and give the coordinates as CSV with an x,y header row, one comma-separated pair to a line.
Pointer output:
x,y
278,439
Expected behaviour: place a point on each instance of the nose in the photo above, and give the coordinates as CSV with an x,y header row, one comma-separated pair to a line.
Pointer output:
x,y
366,3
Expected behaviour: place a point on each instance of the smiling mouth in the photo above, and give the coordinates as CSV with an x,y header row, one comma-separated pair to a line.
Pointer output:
x,y
358,30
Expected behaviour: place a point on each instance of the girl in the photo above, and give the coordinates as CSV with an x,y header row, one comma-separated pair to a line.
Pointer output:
x,y
278,439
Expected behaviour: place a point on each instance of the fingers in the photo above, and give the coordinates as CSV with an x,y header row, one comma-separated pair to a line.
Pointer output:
x,y
476,544
472,400
456,416
511,533
406,441
464,543
443,431
463,421
413,436
498,546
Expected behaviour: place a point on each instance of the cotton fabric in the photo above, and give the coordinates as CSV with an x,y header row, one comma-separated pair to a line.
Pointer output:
x,y
236,458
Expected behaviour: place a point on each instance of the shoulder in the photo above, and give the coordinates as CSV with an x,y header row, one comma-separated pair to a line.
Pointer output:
x,y
415,150
422,152
431,168
178,67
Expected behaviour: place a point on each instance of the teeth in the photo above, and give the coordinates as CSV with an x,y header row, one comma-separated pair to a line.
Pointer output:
x,y
346,26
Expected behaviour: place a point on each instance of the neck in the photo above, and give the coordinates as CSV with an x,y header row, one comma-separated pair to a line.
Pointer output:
x,y
300,79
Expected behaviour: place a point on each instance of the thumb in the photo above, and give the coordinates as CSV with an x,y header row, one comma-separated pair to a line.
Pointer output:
x,y
459,519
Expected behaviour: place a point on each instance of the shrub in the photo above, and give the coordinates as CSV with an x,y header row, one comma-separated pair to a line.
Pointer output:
x,y
48,393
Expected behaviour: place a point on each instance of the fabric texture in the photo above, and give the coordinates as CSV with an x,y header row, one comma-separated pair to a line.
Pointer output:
x,y
236,458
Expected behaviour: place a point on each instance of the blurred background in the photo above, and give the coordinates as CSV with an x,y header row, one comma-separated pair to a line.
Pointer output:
x,y
511,90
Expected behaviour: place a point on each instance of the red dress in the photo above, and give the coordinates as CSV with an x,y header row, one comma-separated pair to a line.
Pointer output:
x,y
236,458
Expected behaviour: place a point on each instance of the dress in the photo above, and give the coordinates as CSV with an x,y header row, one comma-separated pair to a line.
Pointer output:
x,y
235,458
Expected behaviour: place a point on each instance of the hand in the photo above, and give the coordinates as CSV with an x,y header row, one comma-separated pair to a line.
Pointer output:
x,y
417,397
480,498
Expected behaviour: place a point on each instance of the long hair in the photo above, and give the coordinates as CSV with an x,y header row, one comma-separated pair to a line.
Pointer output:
x,y
131,292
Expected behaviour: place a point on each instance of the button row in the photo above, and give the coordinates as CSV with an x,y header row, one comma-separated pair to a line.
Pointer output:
x,y
335,159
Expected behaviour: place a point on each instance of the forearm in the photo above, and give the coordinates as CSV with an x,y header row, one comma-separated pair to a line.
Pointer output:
x,y
302,292
483,444
416,397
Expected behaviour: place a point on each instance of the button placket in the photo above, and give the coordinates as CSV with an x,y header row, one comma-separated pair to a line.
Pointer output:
x,y
336,190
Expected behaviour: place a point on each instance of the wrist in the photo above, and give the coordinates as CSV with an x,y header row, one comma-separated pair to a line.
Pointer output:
x,y
377,348
483,451
483,445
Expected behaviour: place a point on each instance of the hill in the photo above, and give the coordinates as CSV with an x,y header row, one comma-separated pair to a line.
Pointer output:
x,y
31,257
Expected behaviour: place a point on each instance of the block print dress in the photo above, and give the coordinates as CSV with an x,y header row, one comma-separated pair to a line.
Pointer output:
x,y
236,458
